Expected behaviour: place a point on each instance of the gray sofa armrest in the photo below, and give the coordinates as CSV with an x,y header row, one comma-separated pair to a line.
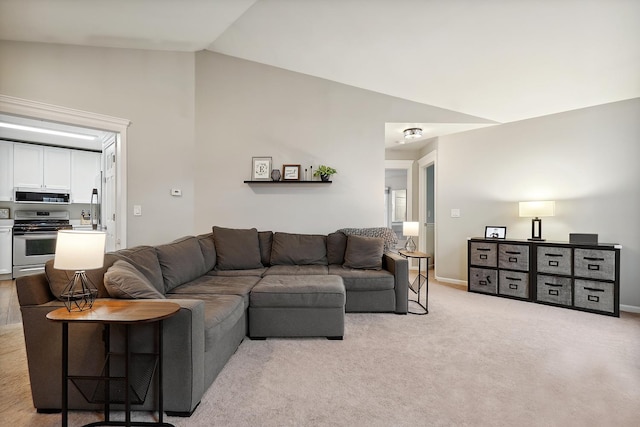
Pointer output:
x,y
399,267
33,290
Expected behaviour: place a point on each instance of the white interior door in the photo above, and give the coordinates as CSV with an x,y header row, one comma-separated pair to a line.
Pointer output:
x,y
109,196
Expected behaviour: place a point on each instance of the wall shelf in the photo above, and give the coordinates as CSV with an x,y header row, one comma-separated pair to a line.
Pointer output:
x,y
287,182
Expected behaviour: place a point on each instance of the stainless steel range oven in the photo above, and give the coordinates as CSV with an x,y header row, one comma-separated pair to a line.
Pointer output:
x,y
34,239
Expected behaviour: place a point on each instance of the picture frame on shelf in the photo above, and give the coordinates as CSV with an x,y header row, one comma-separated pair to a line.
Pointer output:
x,y
291,172
495,232
261,168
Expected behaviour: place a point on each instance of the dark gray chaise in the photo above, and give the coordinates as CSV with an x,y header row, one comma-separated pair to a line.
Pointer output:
x,y
211,277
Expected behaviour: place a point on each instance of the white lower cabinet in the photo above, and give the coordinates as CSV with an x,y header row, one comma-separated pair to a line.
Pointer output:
x,y
5,250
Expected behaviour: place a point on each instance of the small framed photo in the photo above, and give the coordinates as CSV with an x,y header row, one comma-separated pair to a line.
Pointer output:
x,y
260,168
291,172
495,232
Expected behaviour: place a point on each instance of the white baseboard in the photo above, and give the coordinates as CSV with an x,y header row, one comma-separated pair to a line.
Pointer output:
x,y
630,308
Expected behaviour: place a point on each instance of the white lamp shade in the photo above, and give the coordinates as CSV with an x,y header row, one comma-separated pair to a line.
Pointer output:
x,y
79,250
411,228
537,209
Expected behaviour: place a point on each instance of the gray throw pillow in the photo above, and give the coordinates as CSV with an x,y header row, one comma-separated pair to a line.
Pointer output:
x,y
236,249
336,245
122,280
364,252
181,261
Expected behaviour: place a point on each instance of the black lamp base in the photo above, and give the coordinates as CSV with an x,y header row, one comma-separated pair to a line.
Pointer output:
x,y
536,229
79,294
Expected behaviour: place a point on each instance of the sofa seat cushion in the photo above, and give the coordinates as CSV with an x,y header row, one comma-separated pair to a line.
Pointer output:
x,y
233,273
218,285
298,291
298,249
297,270
221,314
363,280
181,261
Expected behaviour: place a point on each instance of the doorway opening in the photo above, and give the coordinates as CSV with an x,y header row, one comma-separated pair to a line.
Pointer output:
x,y
427,206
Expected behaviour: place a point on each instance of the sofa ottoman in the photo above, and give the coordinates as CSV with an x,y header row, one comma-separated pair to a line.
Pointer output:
x,y
297,306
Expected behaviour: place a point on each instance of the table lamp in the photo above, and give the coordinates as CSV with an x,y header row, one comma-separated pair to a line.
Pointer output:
x,y
410,229
79,251
536,210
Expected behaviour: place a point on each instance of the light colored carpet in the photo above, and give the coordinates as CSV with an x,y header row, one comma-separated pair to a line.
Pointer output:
x,y
474,360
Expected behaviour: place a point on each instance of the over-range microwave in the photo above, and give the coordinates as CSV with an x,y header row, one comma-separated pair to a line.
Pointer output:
x,y
42,195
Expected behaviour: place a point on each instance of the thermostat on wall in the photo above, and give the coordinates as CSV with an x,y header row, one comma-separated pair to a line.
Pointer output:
x,y
4,213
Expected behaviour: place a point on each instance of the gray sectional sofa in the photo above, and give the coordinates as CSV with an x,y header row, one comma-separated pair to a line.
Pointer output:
x,y
229,284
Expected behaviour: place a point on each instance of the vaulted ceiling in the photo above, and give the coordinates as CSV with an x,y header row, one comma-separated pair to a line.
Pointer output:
x,y
501,60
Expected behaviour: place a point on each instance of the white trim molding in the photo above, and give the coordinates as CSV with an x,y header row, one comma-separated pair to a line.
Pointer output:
x,y
40,110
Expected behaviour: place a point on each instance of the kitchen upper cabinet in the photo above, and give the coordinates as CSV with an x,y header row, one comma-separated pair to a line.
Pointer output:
x,y
85,169
36,166
6,171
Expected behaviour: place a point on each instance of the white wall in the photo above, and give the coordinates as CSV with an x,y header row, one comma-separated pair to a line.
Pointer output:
x,y
155,90
586,160
246,109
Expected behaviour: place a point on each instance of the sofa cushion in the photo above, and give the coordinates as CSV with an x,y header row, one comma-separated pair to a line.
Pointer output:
x,y
208,248
364,252
145,259
265,239
363,280
59,279
233,273
123,280
389,236
297,270
181,261
298,249
218,285
237,249
336,246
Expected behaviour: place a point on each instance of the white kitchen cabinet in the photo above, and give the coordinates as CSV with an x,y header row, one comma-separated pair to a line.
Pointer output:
x,y
85,168
6,247
37,166
6,171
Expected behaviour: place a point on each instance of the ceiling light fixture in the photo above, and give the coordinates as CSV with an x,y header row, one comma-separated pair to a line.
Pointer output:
x,y
412,133
48,131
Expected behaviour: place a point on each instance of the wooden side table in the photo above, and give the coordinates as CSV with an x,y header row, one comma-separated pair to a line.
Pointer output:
x,y
422,280
108,312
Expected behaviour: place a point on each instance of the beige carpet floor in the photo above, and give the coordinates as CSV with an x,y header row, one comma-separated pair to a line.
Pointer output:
x,y
474,360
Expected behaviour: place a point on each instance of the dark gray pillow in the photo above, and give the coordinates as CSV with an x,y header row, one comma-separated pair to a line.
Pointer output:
x,y
364,252
236,249
298,249
145,259
208,250
266,239
336,245
181,261
59,279
122,280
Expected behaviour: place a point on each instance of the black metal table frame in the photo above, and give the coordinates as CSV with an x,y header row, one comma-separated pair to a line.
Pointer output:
x,y
107,421
417,282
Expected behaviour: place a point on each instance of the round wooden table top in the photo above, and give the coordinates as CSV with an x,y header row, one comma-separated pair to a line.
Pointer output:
x,y
118,311
414,254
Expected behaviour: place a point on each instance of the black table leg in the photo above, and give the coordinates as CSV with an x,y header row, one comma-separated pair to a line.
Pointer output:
x,y
65,372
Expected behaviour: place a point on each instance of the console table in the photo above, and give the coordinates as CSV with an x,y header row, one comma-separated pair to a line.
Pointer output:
x,y
421,280
577,276
127,313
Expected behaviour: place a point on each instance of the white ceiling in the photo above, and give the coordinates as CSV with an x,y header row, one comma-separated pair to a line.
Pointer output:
x,y
495,59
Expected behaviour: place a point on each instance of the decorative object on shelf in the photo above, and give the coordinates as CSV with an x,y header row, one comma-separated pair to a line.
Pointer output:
x,y
4,213
412,133
260,168
275,175
325,172
291,172
536,210
410,229
495,232
79,251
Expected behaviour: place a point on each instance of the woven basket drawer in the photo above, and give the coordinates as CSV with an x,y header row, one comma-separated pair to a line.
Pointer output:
x,y
513,283
594,295
484,254
515,257
554,260
554,289
483,280
594,264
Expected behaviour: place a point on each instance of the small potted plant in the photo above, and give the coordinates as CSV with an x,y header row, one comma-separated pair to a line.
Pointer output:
x,y
325,172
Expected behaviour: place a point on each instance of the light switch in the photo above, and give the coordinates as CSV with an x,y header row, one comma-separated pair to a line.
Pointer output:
x,y
137,210
455,213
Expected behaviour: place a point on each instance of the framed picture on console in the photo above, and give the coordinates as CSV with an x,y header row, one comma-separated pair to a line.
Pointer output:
x,y
260,168
291,172
495,232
